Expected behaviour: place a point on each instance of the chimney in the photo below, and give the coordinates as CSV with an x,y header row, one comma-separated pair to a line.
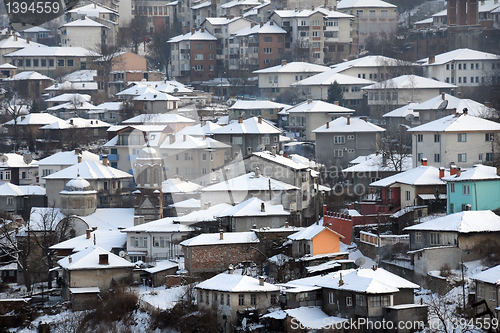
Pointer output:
x,y
103,259
459,172
261,281
79,158
424,162
327,125
365,118
70,260
261,24
453,169
202,30
465,111
257,172
221,234
283,62
252,24
384,159
240,120
273,150
88,231
262,207
442,96
231,269
71,121
105,160
432,59
441,172
336,103
83,17
28,40
259,120
271,23
348,120
184,138
374,267
341,282
286,224
193,30
468,208
94,228
309,101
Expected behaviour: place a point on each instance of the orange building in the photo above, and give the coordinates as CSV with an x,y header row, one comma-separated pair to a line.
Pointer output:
x,y
315,240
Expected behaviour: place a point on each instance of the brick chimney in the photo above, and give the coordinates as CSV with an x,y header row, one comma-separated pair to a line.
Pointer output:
x,y
88,231
259,119
341,282
424,162
262,207
221,234
231,269
441,172
453,169
240,120
327,125
283,62
79,158
348,120
103,259
286,224
432,59
105,160
336,103
309,101
459,172
261,281
261,24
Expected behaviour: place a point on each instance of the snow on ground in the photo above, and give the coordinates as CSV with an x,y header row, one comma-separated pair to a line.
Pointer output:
x,y
160,297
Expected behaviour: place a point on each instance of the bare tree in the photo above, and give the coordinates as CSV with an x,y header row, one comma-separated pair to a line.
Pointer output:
x,y
396,147
109,61
13,106
159,48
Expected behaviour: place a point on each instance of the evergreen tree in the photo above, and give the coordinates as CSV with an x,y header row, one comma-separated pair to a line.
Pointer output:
x,y
335,94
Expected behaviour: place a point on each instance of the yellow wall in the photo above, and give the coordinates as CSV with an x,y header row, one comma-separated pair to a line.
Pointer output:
x,y
326,242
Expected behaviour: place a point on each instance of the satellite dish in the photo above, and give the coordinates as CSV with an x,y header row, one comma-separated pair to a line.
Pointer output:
x,y
410,117
122,254
27,158
443,105
360,261
3,158
23,290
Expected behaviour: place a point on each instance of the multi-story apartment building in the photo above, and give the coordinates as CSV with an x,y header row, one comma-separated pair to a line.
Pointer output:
x,y
84,33
371,18
193,56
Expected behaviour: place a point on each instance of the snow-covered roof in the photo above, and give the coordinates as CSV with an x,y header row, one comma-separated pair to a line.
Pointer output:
x,y
327,78
458,123
198,129
356,124
477,172
9,189
491,275
236,283
374,163
249,182
162,225
279,159
248,126
79,105
177,185
89,259
186,142
106,239
161,266
314,318
85,290
403,111
424,21
308,12
228,238
83,75
462,222
249,105
205,215
202,5
155,96
53,51
14,42
188,203
92,10
344,4
269,27
89,170
223,20
28,75
294,67
158,119
252,207
474,108
367,62
84,22
74,85
36,29
410,82
459,55
310,232
67,97
311,106
68,158
16,161
235,3
421,175
75,123
197,35
110,106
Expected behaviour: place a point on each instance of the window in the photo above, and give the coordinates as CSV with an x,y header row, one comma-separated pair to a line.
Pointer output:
x,y
28,62
452,187
460,66
360,300
447,66
435,238
437,137
338,153
35,62
408,196
10,201
211,57
465,79
420,137
70,62
265,140
489,157
462,137
215,297
348,301
140,241
379,301
315,33
316,23
198,46
207,299
339,139
51,62
452,208
221,299
274,299
241,299
331,299
237,140
198,67
228,299
201,296
480,157
466,189
268,39
60,62
420,156
462,157
492,293
268,50
489,137
465,67
161,241
253,299
204,157
198,57
437,158
418,237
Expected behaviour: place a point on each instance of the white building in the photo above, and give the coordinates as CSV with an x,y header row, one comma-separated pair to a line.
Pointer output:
x,y
84,33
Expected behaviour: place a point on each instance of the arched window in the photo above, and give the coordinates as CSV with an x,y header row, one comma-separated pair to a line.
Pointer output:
x,y
156,176
148,176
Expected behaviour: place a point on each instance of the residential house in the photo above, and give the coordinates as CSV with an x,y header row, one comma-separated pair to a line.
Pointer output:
x,y
175,121
155,240
486,289
253,214
375,18
315,240
304,117
206,220
84,32
90,272
7,70
155,102
29,84
73,108
62,160
234,294
27,127
413,187
475,188
260,46
246,109
259,13
14,43
351,137
387,95
18,200
75,87
449,240
305,316
192,158
112,185
18,169
200,130
252,134
277,79
178,189
215,252
52,61
462,67
193,56
316,87
67,97
76,131
201,11
36,34
110,112
460,139
237,8
182,208
404,115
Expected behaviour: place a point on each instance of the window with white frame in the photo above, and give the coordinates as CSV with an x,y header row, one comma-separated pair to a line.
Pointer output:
x,y
237,140
265,140
331,298
338,153
198,57
339,139
420,137
466,189
348,301
462,157
10,201
418,237
435,238
462,137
